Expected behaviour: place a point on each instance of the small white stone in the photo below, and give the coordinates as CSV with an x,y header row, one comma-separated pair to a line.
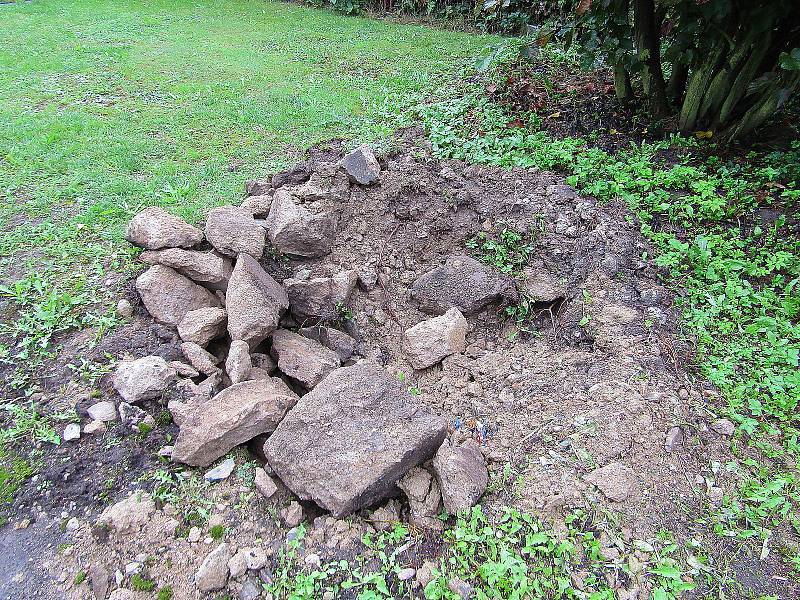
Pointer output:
x,y
72,432
103,411
406,574
221,472
194,534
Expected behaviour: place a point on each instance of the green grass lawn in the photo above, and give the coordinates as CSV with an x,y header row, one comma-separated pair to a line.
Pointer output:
x,y
109,106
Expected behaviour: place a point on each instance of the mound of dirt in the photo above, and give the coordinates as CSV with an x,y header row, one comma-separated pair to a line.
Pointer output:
x,y
580,399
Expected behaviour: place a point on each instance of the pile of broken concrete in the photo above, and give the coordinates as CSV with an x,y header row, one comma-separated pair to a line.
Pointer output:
x,y
265,365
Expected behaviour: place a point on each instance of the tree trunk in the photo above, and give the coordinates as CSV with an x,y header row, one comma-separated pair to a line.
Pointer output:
x,y
622,82
766,105
738,89
695,90
648,44
677,82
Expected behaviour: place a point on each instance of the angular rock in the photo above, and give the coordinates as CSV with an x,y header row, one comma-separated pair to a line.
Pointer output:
x,y
292,514
462,475
361,165
429,342
213,572
257,187
321,298
257,373
461,588
615,480
255,302
128,516
143,378
264,483
302,359
251,589
232,230
258,206
208,268
348,441
99,579
154,228
232,417
72,432
201,359
723,427
221,472
255,558
103,411
674,439
168,296
425,574
387,516
464,283
238,364
94,427
336,340
424,498
295,230
237,565
183,369
406,574
540,285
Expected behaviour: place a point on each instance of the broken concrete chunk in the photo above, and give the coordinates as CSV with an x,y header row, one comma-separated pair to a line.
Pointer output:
x,y
255,302
232,230
348,441
464,283
302,359
154,228
361,165
429,342
208,268
232,417
295,230
143,378
168,296
321,298
203,325
615,480
462,475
